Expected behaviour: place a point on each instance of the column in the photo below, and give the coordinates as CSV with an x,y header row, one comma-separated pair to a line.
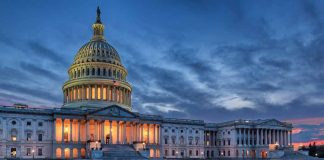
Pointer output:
x,y
290,138
108,94
154,141
142,129
261,130
90,92
83,93
266,137
148,133
79,137
71,123
270,136
137,132
158,132
114,94
87,130
248,136
258,138
101,92
96,130
131,133
110,132
102,132
117,132
239,136
244,138
124,132
54,134
281,138
62,130
286,138
96,92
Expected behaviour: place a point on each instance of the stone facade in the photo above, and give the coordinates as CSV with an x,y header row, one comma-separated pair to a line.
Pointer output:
x,y
97,117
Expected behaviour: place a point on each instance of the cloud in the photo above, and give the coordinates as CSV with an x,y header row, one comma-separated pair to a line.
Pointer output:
x,y
46,53
280,97
234,102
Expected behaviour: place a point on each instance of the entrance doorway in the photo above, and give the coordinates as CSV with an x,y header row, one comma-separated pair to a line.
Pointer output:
x,y
107,139
13,152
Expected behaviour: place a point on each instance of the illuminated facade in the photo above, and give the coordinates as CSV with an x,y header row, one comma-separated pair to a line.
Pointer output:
x,y
97,121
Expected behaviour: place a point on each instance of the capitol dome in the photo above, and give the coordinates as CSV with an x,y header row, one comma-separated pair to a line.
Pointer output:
x,y
97,77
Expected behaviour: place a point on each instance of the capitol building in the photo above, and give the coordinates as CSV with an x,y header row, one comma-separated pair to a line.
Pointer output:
x,y
97,121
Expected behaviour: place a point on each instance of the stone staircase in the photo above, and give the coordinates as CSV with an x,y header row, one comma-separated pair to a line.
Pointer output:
x,y
120,152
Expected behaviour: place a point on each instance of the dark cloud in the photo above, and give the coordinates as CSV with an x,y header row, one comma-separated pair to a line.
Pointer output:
x,y
35,92
37,70
46,53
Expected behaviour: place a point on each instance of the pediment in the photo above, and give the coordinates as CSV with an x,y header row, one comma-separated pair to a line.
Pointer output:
x,y
273,122
113,111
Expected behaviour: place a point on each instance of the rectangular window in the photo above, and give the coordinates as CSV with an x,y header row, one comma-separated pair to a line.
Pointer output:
x,y
40,124
166,141
40,137
29,136
165,152
173,152
28,151
40,151
28,123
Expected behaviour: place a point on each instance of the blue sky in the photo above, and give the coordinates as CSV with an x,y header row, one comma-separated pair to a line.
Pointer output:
x,y
198,59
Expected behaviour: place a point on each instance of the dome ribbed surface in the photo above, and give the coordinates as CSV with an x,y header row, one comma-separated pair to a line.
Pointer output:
x,y
97,51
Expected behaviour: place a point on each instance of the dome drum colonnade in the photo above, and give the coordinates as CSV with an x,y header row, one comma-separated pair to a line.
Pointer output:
x,y
97,75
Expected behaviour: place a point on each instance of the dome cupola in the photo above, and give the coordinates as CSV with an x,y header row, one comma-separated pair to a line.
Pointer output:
x,y
97,77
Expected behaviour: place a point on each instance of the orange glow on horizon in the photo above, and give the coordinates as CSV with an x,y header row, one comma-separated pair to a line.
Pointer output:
x,y
317,142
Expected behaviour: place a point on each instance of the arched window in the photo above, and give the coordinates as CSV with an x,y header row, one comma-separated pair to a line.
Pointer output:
x,y
88,72
67,153
58,153
83,153
75,153
82,72
98,71
151,152
78,73
93,71
75,74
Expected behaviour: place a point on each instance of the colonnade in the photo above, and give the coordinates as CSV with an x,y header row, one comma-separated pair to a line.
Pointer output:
x,y
264,136
210,138
106,131
97,92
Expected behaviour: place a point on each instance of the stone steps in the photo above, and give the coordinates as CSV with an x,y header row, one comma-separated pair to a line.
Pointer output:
x,y
120,152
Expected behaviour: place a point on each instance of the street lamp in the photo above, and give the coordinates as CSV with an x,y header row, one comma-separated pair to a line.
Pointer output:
x,y
316,154
33,151
96,144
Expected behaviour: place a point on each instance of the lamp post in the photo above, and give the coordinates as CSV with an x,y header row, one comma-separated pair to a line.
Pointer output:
x,y
96,145
33,151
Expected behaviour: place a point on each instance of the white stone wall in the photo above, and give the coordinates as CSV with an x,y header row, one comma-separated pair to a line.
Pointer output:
x,y
193,133
16,124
